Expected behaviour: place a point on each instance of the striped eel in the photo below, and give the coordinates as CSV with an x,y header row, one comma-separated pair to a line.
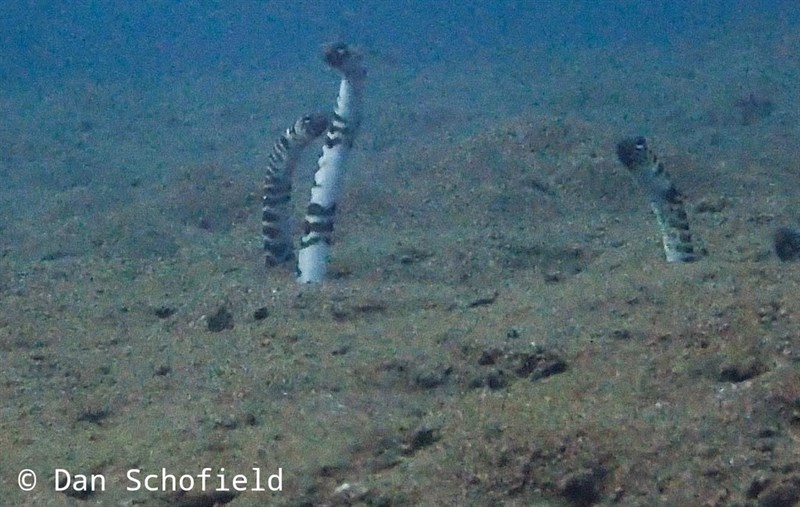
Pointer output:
x,y
665,200
276,221
312,258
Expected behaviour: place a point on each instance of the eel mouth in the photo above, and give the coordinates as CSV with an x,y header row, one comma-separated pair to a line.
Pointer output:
x,y
345,59
316,123
337,54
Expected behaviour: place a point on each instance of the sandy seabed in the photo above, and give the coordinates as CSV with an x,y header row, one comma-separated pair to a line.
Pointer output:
x,y
499,326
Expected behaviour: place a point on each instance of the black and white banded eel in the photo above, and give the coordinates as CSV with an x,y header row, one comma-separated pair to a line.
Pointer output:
x,y
312,258
276,223
665,200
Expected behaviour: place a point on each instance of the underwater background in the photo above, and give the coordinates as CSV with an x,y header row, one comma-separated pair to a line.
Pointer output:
x,y
499,325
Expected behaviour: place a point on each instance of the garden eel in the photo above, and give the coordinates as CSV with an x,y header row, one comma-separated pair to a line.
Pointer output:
x,y
665,200
276,221
312,258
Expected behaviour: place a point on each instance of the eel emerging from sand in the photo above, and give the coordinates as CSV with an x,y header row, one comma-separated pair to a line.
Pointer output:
x,y
276,221
312,258
665,200
341,129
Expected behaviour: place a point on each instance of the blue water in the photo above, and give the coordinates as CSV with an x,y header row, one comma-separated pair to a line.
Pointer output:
x,y
107,40
94,93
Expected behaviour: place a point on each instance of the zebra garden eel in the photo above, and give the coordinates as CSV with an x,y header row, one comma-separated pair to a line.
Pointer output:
x,y
665,200
312,259
276,221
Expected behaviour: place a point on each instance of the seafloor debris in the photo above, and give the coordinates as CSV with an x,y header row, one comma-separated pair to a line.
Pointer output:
x,y
221,320
164,311
261,313
201,499
787,243
508,365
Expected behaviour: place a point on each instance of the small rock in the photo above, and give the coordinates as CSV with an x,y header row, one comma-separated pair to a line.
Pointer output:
x,y
582,487
94,415
787,493
163,312
553,277
203,499
163,370
420,439
539,365
711,205
757,485
497,380
221,320
227,422
621,334
351,493
485,300
741,371
490,356
432,379
75,489
787,244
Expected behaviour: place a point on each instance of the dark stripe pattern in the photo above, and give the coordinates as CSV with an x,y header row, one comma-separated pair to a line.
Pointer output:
x,y
320,216
665,200
276,203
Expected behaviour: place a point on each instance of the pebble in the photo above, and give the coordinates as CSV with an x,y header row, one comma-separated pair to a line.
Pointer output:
x,y
221,320
787,243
